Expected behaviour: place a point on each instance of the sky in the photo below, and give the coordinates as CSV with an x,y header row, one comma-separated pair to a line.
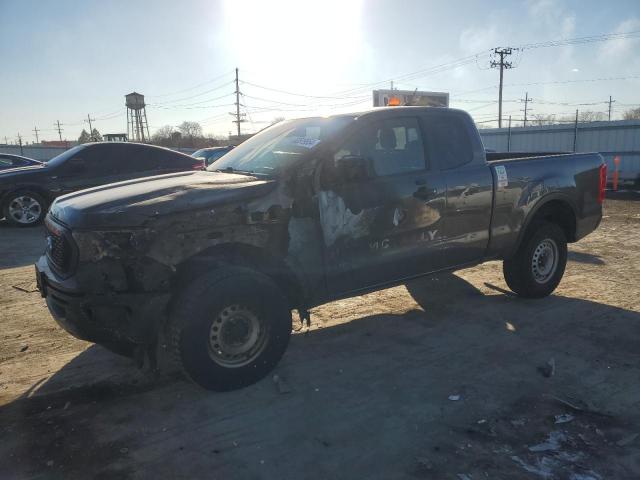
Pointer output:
x,y
65,60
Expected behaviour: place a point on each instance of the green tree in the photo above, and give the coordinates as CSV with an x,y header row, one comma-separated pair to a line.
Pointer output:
x,y
95,135
84,137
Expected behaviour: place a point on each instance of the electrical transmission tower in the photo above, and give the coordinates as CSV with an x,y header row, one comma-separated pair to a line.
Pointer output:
x,y
502,53
238,119
526,107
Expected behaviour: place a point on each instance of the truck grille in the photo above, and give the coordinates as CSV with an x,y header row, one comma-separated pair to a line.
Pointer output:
x,y
59,248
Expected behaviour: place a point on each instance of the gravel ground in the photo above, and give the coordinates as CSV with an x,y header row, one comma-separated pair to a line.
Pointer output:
x,y
441,378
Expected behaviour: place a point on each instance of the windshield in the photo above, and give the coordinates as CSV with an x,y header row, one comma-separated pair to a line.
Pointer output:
x,y
60,159
276,147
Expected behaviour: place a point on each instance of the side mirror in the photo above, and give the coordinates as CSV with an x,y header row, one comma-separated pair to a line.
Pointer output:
x,y
352,168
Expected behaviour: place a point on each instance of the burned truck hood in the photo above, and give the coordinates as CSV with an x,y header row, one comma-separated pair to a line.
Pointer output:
x,y
137,202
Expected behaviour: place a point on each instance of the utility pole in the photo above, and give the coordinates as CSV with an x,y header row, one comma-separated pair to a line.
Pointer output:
x,y
35,129
611,101
57,124
90,127
526,109
20,143
502,53
391,85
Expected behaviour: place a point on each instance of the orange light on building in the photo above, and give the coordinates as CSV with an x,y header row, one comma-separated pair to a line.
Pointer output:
x,y
394,102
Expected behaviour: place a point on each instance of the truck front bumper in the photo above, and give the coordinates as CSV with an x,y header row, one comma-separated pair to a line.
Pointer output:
x,y
108,318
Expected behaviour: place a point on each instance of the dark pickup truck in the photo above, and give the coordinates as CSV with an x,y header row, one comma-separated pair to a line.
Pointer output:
x,y
207,266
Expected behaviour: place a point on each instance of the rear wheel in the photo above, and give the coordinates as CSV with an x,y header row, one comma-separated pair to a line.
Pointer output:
x,y
538,266
24,209
229,329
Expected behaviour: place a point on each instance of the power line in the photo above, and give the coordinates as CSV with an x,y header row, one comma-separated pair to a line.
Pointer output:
x,y
581,40
192,88
169,102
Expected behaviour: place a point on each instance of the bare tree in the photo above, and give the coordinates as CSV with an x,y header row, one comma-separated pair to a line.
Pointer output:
x,y
543,119
632,114
589,116
190,129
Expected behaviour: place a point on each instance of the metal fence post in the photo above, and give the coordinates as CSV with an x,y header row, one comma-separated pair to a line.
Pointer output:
x,y
509,136
575,133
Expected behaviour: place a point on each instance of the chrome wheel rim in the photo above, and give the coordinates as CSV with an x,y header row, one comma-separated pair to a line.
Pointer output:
x,y
25,209
237,336
544,262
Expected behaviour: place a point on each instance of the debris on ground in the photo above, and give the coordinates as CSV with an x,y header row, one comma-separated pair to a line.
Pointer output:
x,y
580,406
627,440
518,422
563,418
281,385
554,439
24,348
549,368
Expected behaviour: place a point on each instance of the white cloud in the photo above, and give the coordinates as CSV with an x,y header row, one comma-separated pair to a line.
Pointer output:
x,y
619,49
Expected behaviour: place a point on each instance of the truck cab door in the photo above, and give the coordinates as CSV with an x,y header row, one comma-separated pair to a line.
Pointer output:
x,y
469,185
381,207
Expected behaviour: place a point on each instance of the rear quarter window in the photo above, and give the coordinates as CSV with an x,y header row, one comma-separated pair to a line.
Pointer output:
x,y
448,140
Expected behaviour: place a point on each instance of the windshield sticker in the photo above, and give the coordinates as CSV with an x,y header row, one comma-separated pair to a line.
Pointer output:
x,y
501,173
306,142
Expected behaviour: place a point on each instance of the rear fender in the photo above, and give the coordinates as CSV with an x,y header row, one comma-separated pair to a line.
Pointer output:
x,y
534,215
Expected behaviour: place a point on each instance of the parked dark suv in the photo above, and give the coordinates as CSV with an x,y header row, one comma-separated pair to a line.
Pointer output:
x,y
210,155
26,193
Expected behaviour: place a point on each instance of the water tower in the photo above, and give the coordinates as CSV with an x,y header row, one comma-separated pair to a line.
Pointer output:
x,y
136,118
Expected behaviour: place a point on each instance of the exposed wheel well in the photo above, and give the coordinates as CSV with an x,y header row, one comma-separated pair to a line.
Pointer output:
x,y
243,255
560,213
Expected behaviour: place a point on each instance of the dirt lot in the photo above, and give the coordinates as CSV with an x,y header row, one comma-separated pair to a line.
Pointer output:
x,y
436,379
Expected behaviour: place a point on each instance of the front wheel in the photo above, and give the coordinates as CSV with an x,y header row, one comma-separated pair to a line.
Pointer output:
x,y
24,209
538,266
229,329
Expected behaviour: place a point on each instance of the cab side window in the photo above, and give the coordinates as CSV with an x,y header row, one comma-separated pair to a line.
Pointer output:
x,y
449,141
390,147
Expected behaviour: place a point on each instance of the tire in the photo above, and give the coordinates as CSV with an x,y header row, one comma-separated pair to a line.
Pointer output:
x,y
538,266
228,329
24,208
